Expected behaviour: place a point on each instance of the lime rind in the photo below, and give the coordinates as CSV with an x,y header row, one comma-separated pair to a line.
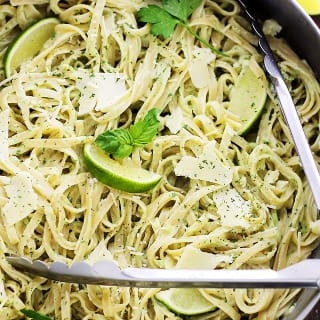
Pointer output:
x,y
118,176
28,43
185,301
248,99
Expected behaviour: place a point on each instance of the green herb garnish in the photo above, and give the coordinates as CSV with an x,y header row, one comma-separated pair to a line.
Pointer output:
x,y
120,143
34,315
173,12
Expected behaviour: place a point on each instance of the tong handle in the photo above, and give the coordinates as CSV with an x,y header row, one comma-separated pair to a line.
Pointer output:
x,y
288,108
305,274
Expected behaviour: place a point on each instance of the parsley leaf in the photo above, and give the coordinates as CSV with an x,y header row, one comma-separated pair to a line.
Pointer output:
x,y
162,23
34,315
164,20
121,142
181,9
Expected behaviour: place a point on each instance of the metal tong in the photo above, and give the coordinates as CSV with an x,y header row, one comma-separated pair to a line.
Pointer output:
x,y
287,107
305,274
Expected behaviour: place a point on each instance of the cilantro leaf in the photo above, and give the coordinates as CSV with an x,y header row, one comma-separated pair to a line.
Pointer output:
x,y
34,315
181,9
162,23
164,20
121,142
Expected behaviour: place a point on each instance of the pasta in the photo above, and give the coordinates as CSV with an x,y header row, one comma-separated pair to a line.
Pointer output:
x,y
52,209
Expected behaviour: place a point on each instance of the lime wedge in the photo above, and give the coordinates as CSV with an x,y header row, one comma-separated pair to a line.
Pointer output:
x,y
28,44
248,98
185,301
115,175
312,7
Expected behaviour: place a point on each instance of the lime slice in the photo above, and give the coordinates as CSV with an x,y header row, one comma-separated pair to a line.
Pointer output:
x,y
185,301
116,175
28,44
312,7
248,98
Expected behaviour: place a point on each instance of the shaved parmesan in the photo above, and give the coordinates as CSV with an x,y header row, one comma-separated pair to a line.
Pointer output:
x,y
174,122
206,167
204,53
22,198
234,211
198,68
100,253
98,90
194,258
199,73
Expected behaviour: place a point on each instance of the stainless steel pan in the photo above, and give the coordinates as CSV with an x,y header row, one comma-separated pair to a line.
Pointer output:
x,y
294,22
304,37
298,28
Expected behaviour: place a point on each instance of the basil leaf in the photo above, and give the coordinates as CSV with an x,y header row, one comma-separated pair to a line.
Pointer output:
x,y
143,131
120,143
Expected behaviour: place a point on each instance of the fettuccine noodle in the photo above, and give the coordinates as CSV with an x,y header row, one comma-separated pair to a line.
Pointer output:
x,y
67,215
